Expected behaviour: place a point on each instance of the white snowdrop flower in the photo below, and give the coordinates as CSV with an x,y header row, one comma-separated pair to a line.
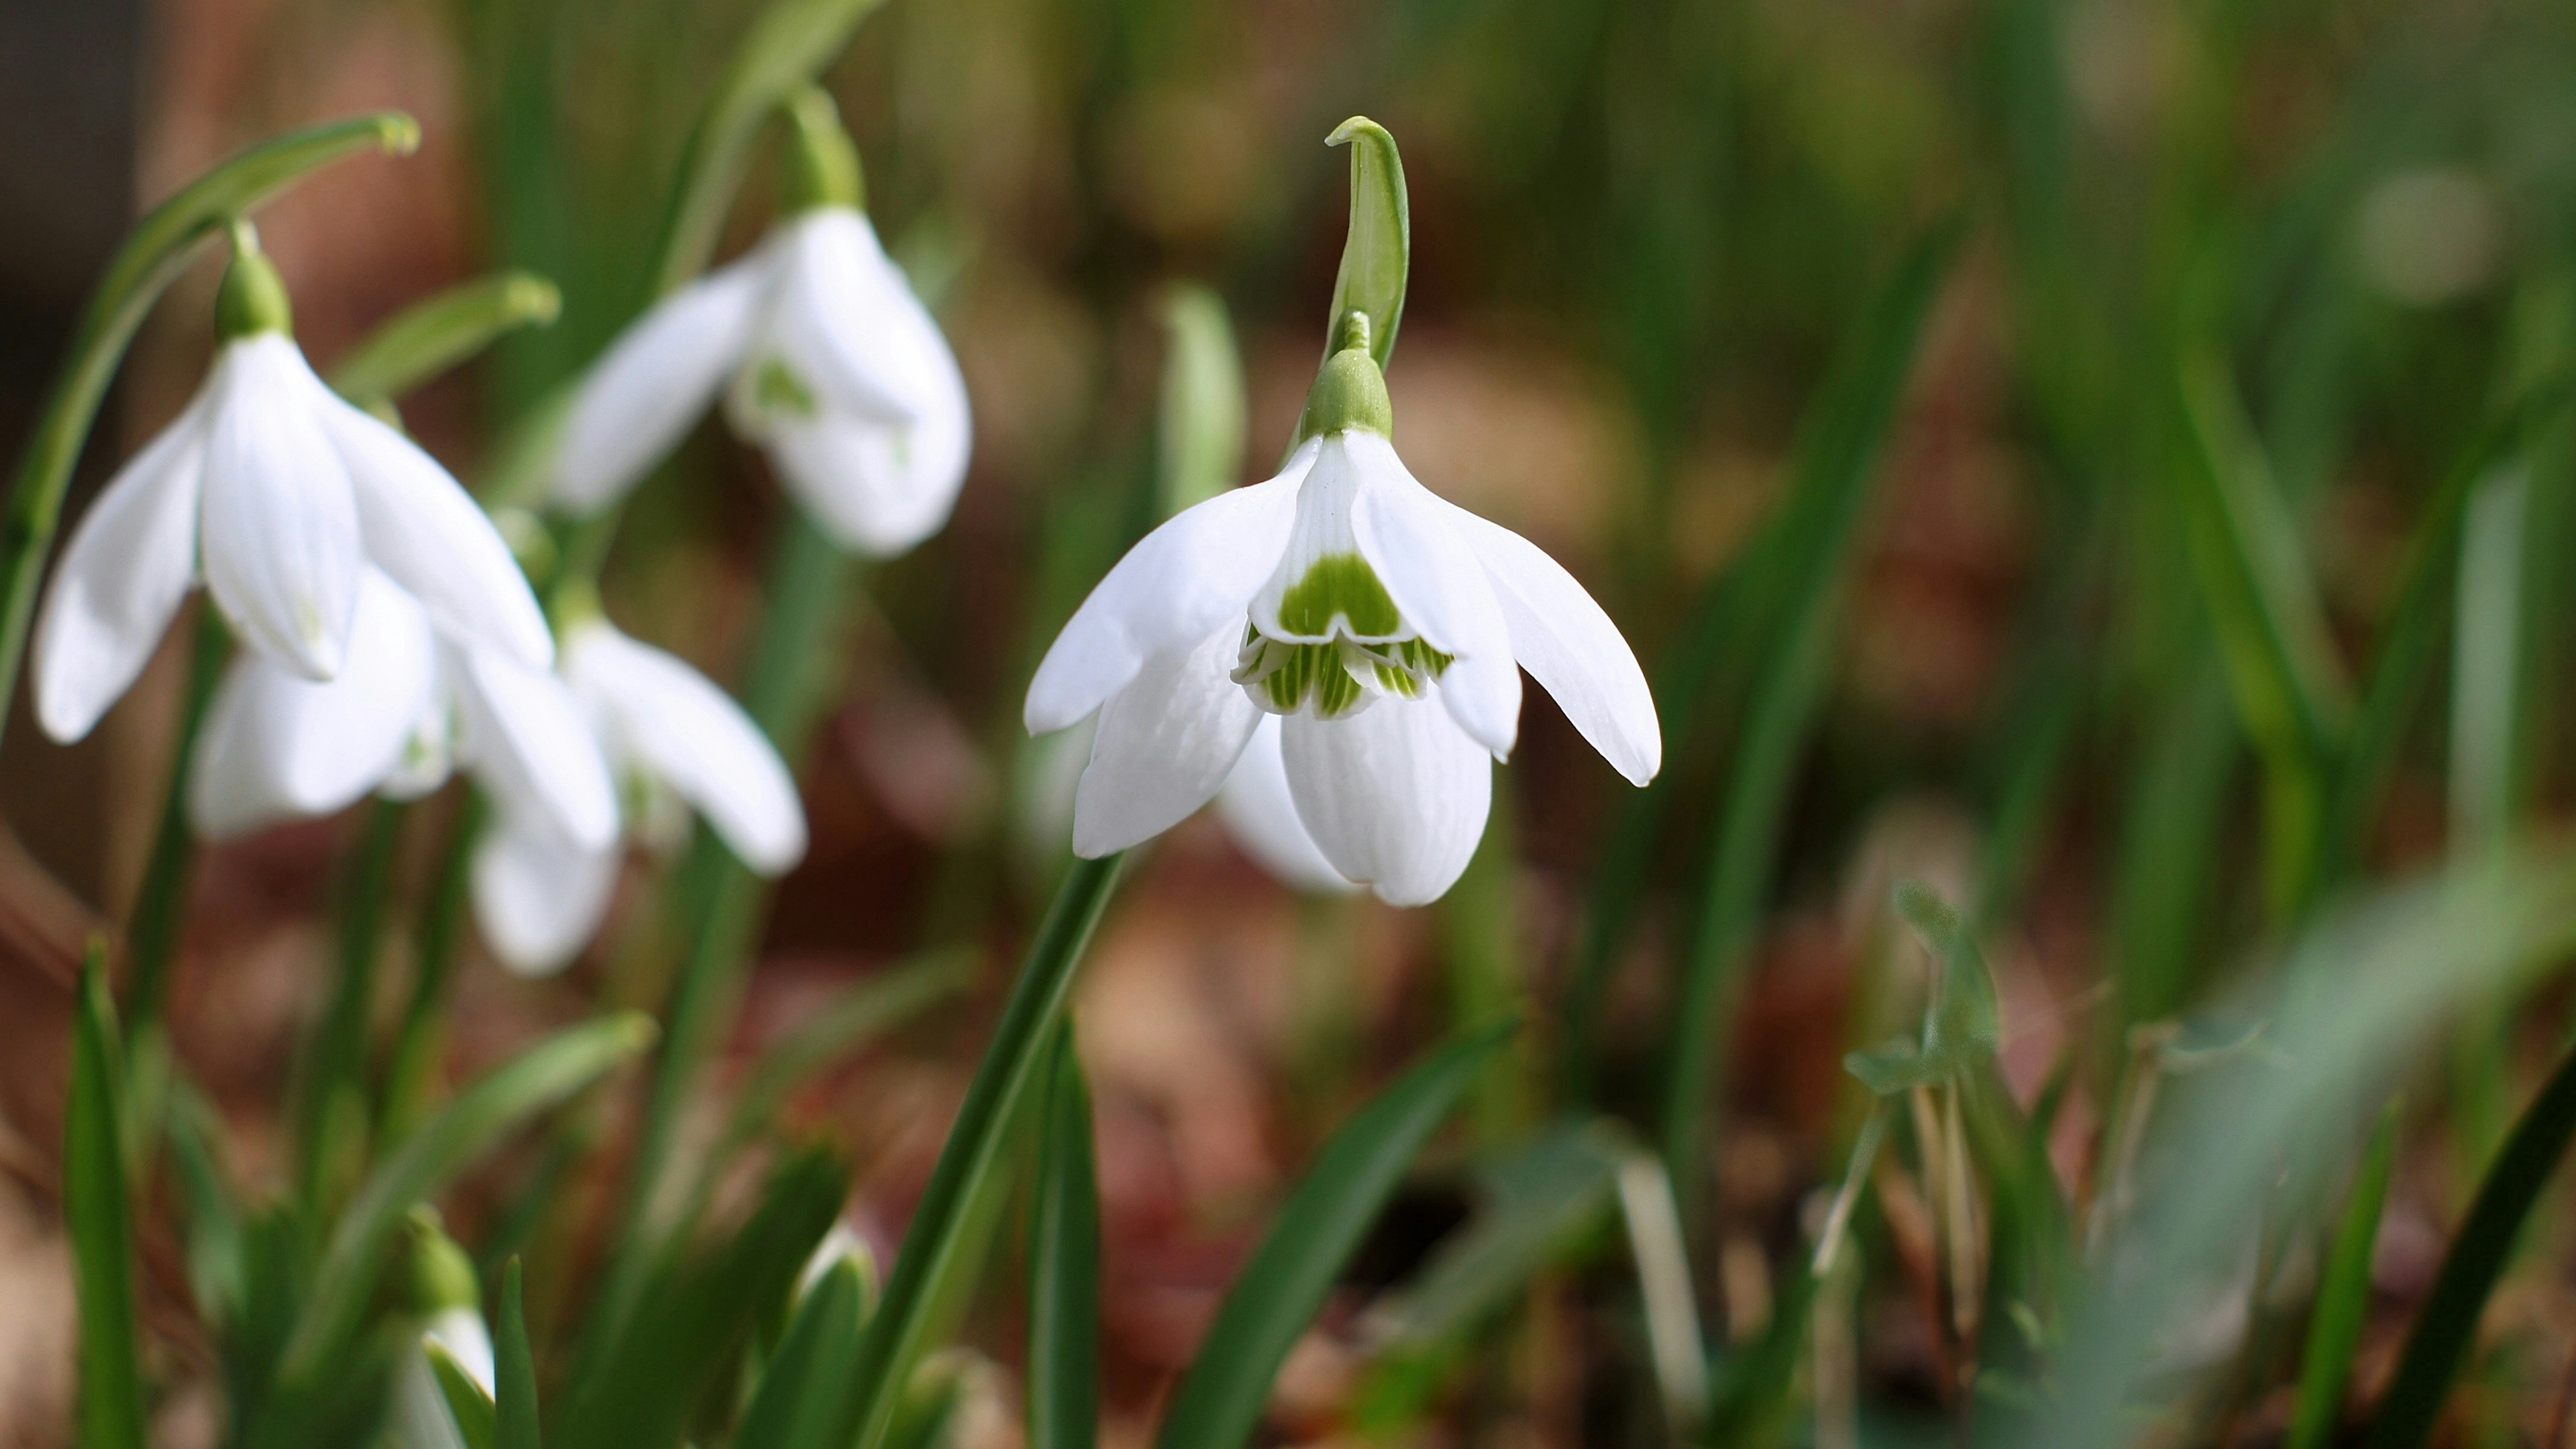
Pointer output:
x,y
285,497
826,358
1385,628
446,1309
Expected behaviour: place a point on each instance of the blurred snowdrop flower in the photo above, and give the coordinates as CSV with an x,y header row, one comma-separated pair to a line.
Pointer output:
x,y
827,360
446,1307
287,498
1382,626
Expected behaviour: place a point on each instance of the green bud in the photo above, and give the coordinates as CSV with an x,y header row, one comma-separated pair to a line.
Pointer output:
x,y
441,1276
822,162
252,298
1349,392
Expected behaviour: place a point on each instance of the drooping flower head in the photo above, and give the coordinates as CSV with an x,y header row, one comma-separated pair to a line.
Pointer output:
x,y
1383,628
284,497
825,358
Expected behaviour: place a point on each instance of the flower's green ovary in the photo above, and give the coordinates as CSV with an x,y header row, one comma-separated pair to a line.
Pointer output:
x,y
1340,589
776,389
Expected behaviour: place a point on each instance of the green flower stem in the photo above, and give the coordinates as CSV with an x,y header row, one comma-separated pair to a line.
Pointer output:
x,y
331,1111
161,903
158,249
933,1246
717,904
440,331
411,1074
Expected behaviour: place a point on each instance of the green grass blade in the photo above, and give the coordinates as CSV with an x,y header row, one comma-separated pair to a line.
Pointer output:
x,y
440,331
1199,424
934,1246
2487,659
1836,465
2343,1295
1539,1198
1064,1265
1221,1398
153,255
1377,253
797,1400
101,1221
514,1368
462,1132
216,1267
477,1421
2447,1328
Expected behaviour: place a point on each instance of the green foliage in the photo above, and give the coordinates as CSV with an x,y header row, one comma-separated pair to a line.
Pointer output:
x,y
2343,1293
101,1220
1378,253
1063,1372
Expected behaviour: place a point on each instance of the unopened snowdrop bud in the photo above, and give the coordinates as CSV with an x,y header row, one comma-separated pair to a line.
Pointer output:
x,y
841,1248
446,1309
823,355
1375,630
287,499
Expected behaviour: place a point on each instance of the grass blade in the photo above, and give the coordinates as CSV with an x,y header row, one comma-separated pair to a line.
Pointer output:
x,y
101,1223
514,1369
799,1394
1221,1399
2448,1326
1836,465
2343,1296
477,1421
934,1245
1064,1265
476,1121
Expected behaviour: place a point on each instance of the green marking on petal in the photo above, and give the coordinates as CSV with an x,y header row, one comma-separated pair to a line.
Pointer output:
x,y
1339,586
775,388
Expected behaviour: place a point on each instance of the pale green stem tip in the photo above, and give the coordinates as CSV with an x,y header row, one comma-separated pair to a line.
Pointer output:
x,y
252,298
1349,392
442,1277
823,163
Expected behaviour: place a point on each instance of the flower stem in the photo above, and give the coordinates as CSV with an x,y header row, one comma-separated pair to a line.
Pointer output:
x,y
409,1076
331,1117
154,254
161,904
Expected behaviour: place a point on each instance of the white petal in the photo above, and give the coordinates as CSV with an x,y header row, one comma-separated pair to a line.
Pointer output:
x,y
1262,817
277,746
875,489
1570,647
121,578
1182,580
428,534
676,723
1395,795
1440,588
527,739
844,321
537,897
643,394
280,525
1165,744
421,1417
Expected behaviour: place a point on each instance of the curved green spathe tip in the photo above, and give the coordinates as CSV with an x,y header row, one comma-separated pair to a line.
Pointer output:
x,y
822,162
397,132
1378,252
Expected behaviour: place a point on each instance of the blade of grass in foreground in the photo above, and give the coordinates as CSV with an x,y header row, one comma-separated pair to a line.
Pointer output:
x,y
477,1421
514,1369
1064,1265
101,1223
2448,1326
1837,463
2343,1298
795,1404
933,1245
1228,1384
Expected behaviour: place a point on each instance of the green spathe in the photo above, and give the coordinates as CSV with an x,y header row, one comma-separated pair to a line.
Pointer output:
x,y
442,1277
252,299
822,161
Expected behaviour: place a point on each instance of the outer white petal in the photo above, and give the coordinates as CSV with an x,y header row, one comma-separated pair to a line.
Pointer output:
x,y
1189,576
1262,817
1440,588
1570,646
421,1418
845,322
680,726
280,526
537,897
1395,796
526,736
428,534
121,578
1165,744
653,382
875,489
278,746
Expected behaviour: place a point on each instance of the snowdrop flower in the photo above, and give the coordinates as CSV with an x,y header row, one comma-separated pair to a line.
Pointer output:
x,y
286,498
1382,626
826,358
446,1306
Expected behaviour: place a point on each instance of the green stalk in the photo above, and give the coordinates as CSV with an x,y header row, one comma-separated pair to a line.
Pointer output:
x,y
933,1245
160,904
331,1109
158,249
410,1073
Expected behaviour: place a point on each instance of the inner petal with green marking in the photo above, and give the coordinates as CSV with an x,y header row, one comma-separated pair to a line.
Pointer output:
x,y
1346,644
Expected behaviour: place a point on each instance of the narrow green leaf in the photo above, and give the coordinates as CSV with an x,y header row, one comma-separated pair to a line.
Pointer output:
x,y
1064,1265
1200,420
933,1246
2447,1327
1538,1199
477,1419
438,332
1377,252
1220,1400
2343,1295
217,1273
836,1029
514,1369
1836,464
159,248
475,1122
101,1224
798,1398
